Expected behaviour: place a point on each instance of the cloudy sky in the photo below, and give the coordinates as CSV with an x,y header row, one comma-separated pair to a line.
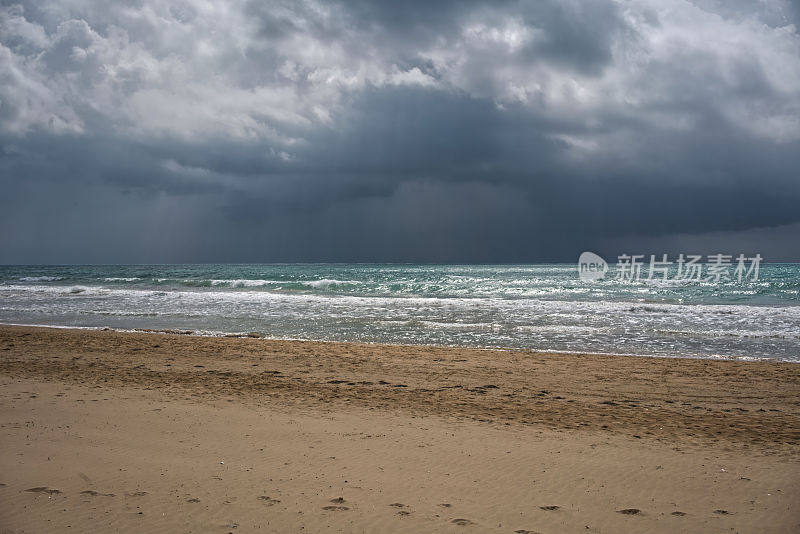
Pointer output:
x,y
160,131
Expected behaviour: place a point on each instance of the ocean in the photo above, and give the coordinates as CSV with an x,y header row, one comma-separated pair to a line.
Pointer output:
x,y
543,307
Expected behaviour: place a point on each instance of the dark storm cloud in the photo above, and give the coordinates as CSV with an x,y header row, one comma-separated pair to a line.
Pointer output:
x,y
453,131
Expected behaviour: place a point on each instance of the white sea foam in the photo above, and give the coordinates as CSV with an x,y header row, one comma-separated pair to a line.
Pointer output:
x,y
464,305
491,327
243,283
328,283
561,329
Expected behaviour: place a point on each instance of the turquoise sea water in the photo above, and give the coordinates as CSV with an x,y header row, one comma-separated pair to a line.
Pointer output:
x,y
542,307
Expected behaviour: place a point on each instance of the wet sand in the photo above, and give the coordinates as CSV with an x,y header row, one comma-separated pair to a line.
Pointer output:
x,y
104,430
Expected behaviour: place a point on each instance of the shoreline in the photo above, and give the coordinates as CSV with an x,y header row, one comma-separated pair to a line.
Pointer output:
x,y
243,335
717,399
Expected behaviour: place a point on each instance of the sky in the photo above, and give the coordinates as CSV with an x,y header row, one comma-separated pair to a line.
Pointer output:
x,y
156,131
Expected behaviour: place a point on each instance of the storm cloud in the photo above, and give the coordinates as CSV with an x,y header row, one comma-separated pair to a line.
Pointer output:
x,y
156,131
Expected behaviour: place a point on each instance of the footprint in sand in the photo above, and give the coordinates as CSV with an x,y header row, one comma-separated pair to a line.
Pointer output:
x,y
137,494
400,505
93,493
337,500
193,499
550,508
269,501
462,522
629,511
44,489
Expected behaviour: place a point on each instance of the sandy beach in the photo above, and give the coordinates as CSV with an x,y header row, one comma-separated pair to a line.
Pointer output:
x,y
105,430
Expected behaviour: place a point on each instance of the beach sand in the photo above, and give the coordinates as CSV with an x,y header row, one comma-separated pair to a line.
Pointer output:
x,y
148,432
